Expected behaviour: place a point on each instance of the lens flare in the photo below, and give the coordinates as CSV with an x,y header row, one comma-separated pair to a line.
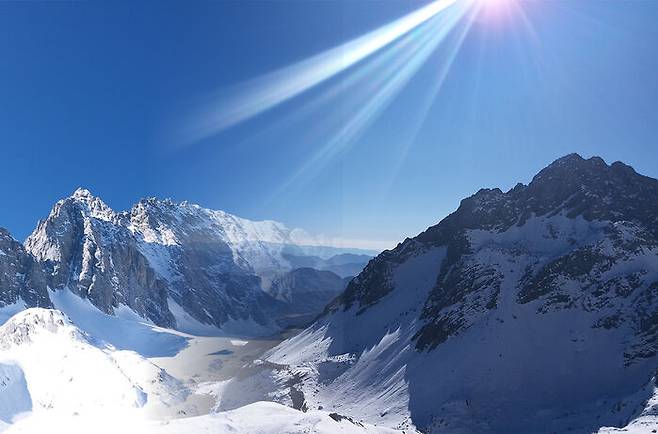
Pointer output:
x,y
496,11
362,77
264,93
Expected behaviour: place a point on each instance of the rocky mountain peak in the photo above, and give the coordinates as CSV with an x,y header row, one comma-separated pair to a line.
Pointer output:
x,y
83,204
571,185
154,202
82,194
614,202
4,234
592,189
572,169
25,325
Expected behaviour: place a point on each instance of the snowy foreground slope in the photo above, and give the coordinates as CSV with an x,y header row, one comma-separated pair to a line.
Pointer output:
x,y
257,418
49,365
56,378
647,421
530,311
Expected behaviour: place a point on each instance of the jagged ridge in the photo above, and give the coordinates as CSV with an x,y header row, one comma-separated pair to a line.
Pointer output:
x,y
162,257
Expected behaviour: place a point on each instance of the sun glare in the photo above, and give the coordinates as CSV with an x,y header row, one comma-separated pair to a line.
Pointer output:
x,y
374,69
495,10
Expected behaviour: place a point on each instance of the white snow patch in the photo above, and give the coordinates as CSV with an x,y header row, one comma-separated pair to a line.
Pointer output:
x,y
125,331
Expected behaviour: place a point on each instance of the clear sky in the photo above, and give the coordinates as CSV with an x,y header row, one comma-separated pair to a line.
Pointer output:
x,y
102,95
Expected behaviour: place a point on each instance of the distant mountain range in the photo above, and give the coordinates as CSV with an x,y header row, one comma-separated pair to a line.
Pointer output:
x,y
528,311
176,264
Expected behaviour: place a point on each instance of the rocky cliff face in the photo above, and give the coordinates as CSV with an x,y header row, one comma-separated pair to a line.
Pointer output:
x,y
21,277
582,234
514,311
86,247
215,264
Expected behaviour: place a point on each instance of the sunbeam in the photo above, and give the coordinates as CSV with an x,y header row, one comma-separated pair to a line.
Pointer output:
x,y
266,92
360,79
381,92
429,99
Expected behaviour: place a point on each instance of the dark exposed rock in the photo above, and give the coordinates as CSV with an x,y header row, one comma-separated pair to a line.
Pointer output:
x,y
84,246
618,209
21,277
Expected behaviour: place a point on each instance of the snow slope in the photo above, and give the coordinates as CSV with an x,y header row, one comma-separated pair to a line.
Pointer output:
x,y
57,368
56,378
357,364
645,405
123,331
257,418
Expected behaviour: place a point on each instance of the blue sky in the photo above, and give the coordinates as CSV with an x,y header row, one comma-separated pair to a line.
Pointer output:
x,y
94,94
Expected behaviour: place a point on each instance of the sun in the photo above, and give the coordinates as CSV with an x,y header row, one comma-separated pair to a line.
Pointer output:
x,y
494,3
495,9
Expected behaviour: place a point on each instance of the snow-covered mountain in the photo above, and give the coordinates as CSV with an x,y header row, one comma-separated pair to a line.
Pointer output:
x,y
85,246
172,263
531,311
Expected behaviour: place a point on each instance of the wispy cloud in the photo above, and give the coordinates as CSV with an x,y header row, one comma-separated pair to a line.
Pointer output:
x,y
303,238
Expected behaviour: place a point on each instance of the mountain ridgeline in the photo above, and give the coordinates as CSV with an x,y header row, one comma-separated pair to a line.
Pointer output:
x,y
531,310
175,264
588,217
